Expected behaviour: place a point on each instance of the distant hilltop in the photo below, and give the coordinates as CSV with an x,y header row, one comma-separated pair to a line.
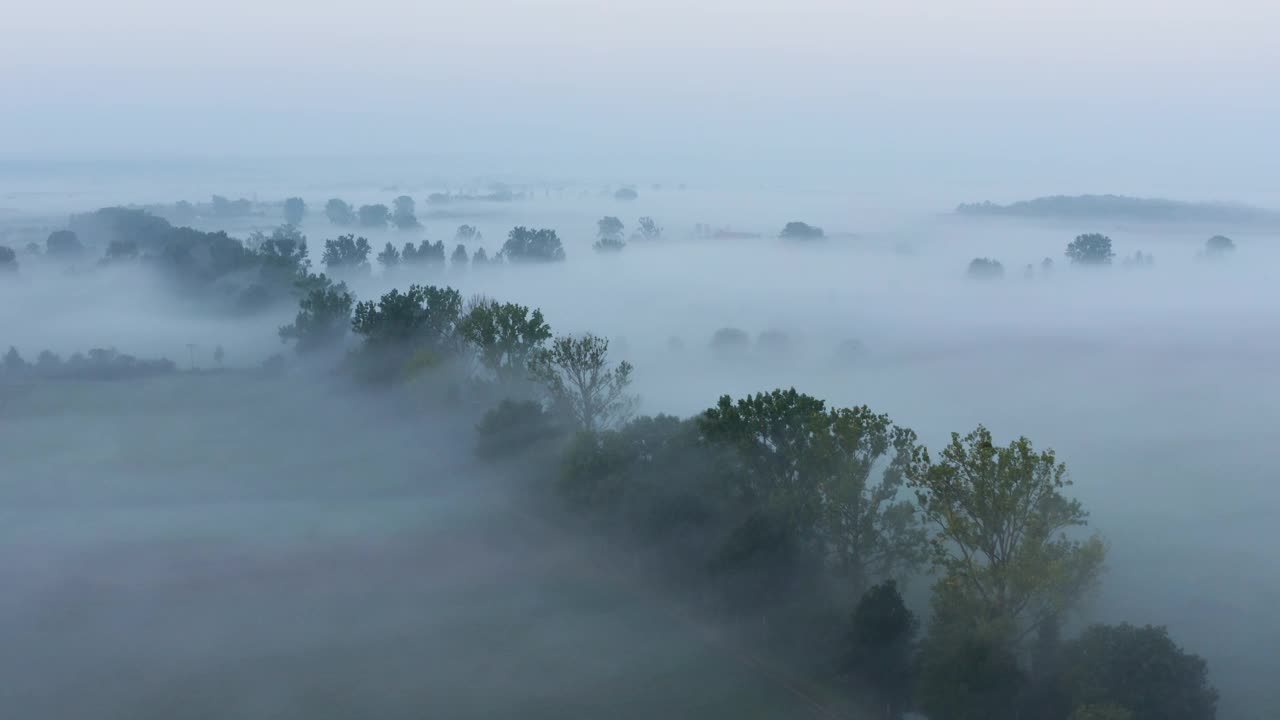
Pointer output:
x,y
1120,207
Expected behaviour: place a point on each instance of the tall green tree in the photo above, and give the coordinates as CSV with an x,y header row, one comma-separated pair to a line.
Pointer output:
x,y
505,336
834,475
1000,520
579,379
422,317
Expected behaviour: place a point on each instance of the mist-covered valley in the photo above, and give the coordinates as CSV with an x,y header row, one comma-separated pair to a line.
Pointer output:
x,y
263,531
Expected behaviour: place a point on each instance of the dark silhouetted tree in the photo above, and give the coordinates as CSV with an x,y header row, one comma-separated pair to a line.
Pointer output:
x,y
374,216
527,245
324,315
347,253
13,361
985,269
339,212
389,257
1140,669
294,210
405,215
1091,249
505,336
63,243
460,257
880,646
796,230
422,317
626,194
480,257
8,259
1219,245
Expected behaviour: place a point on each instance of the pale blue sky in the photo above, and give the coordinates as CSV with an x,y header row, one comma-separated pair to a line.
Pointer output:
x,y
1080,83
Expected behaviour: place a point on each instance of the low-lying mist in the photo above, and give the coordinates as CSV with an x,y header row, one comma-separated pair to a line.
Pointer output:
x,y
231,544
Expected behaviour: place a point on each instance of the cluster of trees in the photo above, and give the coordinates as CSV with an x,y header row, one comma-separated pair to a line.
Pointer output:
x,y
610,231
1093,250
96,364
788,510
796,230
1120,207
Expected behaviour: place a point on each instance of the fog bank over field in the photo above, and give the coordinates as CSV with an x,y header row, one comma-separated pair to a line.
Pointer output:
x,y
1153,382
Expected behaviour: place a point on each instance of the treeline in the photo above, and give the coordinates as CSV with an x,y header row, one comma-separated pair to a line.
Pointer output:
x,y
1094,250
96,364
800,519
1120,207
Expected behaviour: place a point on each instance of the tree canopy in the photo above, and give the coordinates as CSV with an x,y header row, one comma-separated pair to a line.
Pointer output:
x,y
294,210
578,379
339,212
527,245
1090,249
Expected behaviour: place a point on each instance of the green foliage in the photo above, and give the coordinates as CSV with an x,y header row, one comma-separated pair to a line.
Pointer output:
x,y
422,317
527,245
1139,669
374,216
515,428
985,269
294,210
795,230
880,643
968,673
1091,249
339,212
347,253
1000,518
324,314
505,336
816,469
578,379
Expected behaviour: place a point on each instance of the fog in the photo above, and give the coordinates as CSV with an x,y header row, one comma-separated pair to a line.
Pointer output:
x,y
229,539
